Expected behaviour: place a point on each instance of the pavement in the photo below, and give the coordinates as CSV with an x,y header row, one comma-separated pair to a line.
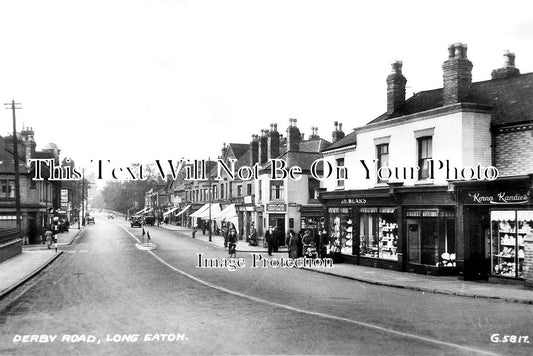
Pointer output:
x,y
443,285
34,258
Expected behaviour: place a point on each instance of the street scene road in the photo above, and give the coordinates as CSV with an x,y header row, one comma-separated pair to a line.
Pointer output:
x,y
104,295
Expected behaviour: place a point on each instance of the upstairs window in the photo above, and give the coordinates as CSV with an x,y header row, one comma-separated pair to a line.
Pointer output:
x,y
341,172
276,190
425,154
382,154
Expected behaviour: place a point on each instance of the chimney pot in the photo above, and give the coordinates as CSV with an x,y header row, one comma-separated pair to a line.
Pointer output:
x,y
509,59
397,67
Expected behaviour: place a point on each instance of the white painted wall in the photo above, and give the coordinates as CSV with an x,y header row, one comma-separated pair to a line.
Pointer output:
x,y
462,138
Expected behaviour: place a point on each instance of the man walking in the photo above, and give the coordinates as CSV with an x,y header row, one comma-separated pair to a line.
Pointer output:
x,y
270,236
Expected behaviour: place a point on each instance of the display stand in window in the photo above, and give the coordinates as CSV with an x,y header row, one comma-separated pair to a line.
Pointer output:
x,y
509,227
378,233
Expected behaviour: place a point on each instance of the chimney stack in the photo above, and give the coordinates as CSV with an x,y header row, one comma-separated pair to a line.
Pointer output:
x,y
254,150
337,134
457,74
263,147
293,136
224,150
273,142
314,133
29,143
395,87
508,70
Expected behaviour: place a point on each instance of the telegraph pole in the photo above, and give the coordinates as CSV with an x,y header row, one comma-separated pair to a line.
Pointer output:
x,y
210,199
83,196
13,106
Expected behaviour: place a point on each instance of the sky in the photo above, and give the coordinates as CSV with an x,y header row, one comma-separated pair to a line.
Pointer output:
x,y
139,80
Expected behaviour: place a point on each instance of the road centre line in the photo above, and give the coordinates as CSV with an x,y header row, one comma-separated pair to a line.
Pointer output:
x,y
302,311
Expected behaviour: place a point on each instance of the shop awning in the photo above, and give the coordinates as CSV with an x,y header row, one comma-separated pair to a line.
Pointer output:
x,y
199,211
142,211
228,214
184,210
170,211
215,209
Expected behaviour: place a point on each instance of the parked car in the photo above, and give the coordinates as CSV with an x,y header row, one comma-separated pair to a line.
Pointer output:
x,y
110,216
89,220
136,221
149,220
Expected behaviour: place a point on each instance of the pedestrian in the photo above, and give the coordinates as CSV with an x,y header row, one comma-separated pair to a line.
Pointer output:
x,y
293,244
225,233
269,238
49,237
323,239
203,228
252,240
232,240
194,228
276,237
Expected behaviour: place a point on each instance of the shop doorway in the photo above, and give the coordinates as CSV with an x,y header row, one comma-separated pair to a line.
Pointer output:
x,y
413,240
279,222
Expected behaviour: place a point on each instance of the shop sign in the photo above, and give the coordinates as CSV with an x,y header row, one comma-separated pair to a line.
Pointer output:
x,y
499,198
353,201
276,207
64,195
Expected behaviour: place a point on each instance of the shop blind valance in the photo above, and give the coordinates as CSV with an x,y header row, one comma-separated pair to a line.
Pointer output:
x,y
430,213
384,210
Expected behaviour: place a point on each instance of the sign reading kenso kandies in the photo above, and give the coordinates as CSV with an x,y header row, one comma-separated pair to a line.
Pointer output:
x,y
499,198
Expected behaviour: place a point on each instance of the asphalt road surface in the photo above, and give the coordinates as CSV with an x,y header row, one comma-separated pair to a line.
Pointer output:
x,y
106,296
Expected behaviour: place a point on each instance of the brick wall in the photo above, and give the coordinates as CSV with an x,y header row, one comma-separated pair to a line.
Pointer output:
x,y
513,151
528,261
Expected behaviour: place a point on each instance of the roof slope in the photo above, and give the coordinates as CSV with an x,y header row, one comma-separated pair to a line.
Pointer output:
x,y
511,99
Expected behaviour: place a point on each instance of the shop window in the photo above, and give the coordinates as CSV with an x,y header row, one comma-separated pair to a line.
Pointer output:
x,y
276,190
424,156
222,191
378,232
341,231
248,189
260,191
239,190
508,230
382,154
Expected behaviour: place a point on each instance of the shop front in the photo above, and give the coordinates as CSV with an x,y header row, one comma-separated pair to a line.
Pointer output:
x,y
312,220
495,219
428,225
276,214
363,227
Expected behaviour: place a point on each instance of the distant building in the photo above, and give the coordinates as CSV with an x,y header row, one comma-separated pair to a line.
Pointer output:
x,y
40,200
